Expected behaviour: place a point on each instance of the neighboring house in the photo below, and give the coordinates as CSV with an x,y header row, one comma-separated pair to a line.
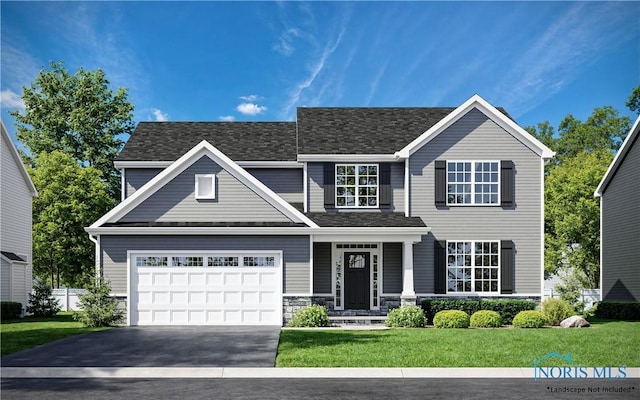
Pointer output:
x,y
620,223
16,191
357,209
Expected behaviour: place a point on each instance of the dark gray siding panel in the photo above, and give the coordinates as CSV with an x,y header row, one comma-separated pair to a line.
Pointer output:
x,y
176,202
135,178
476,137
295,253
392,268
286,182
322,268
621,230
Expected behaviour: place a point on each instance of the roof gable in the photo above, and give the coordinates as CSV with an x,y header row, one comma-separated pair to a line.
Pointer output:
x,y
477,102
196,153
18,160
628,143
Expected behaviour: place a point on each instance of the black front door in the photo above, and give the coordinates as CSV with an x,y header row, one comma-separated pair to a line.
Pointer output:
x,y
356,281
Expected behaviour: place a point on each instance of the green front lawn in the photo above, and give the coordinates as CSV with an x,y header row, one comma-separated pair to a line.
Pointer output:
x,y
606,343
25,333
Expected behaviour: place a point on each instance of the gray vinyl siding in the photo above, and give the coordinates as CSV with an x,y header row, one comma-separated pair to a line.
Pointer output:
x,y
391,268
176,202
135,178
315,174
476,137
621,230
295,251
5,285
322,268
286,182
15,213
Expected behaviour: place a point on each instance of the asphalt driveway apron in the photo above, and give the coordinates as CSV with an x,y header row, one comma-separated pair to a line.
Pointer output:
x,y
152,346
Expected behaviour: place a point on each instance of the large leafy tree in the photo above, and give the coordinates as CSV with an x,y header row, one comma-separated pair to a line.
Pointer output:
x,y
77,114
634,100
70,197
572,214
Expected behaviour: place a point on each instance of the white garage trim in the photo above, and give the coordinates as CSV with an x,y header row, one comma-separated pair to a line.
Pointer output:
x,y
220,287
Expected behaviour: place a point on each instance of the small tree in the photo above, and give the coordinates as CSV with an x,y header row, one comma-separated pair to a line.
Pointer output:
x,y
42,303
98,307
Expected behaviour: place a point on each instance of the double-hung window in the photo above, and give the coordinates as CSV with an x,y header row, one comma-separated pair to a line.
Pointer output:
x,y
357,185
473,266
473,182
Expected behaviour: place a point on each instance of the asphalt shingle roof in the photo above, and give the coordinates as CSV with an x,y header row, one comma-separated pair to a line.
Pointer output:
x,y
365,219
240,141
12,256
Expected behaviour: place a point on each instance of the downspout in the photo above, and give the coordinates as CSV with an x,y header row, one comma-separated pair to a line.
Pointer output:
x,y
96,241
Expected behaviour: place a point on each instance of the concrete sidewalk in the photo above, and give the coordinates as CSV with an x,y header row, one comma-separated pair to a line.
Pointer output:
x,y
304,373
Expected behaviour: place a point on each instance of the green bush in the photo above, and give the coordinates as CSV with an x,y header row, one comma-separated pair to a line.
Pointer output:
x,y
406,317
529,319
622,310
42,303
556,310
486,319
506,308
311,316
10,310
97,306
451,319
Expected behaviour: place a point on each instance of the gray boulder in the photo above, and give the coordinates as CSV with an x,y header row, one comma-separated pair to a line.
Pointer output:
x,y
574,322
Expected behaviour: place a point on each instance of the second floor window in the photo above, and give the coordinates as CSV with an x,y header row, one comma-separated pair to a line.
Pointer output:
x,y
357,185
473,182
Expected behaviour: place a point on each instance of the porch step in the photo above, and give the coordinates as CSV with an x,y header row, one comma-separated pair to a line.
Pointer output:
x,y
358,320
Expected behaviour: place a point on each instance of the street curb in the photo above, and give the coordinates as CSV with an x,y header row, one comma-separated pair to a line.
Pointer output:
x,y
304,373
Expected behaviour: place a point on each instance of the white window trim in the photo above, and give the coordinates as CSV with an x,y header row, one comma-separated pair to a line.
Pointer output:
x,y
473,183
473,267
357,185
209,196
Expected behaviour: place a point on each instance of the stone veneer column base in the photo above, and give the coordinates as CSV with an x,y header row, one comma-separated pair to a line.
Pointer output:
x,y
408,300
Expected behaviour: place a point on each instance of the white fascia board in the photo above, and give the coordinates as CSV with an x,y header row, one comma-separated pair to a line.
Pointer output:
x,y
494,114
142,164
203,148
373,234
145,230
18,160
624,149
269,164
348,158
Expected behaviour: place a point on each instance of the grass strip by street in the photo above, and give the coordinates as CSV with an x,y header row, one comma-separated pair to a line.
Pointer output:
x,y
605,343
28,332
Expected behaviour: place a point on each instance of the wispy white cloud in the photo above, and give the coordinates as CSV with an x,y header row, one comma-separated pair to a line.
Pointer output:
x,y
227,118
11,100
373,86
284,45
250,109
19,68
159,115
575,39
251,98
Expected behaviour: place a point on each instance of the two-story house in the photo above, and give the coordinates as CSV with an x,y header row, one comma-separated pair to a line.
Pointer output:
x,y
16,193
357,209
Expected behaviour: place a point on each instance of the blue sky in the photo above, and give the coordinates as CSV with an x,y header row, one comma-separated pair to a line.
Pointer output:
x,y
251,61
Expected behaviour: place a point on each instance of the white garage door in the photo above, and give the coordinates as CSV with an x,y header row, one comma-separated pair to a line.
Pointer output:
x,y
178,288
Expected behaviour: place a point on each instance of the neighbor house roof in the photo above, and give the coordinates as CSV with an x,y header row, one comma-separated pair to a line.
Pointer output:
x,y
629,141
12,256
240,141
18,160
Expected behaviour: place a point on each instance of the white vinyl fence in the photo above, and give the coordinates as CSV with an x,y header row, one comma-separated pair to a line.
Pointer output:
x,y
588,296
68,298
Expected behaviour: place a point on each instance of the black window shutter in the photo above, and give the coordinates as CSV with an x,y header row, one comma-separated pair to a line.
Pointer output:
x,y
385,185
507,266
507,182
440,267
441,183
329,185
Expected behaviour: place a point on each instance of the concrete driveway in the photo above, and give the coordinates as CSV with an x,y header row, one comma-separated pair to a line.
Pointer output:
x,y
187,346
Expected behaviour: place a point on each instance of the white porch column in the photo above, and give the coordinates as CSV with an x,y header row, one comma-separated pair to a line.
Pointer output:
x,y
408,295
